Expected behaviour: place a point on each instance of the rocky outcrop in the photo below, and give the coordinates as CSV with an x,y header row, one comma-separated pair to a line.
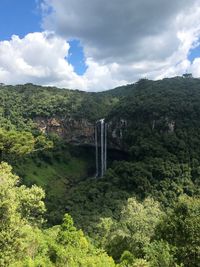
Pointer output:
x,y
116,131
81,131
76,131
171,126
163,124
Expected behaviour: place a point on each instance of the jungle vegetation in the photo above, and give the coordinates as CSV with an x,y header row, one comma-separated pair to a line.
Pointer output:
x,y
145,211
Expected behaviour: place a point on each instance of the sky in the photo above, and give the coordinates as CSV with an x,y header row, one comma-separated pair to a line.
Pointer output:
x,y
96,45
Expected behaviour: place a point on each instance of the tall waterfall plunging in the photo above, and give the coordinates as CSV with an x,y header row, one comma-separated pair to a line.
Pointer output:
x,y
101,147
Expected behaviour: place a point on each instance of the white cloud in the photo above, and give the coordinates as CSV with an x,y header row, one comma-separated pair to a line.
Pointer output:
x,y
127,40
195,67
123,42
38,58
122,31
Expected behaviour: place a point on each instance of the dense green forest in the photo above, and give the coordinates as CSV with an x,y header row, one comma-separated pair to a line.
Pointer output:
x,y
144,212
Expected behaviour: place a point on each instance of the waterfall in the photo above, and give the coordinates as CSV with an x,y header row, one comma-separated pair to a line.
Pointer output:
x,y
105,147
96,146
101,147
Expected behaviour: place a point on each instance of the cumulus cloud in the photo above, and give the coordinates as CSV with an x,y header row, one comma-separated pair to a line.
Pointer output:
x,y
121,31
127,40
123,41
40,58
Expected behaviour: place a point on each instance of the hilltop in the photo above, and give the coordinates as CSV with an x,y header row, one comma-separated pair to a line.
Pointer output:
x,y
153,158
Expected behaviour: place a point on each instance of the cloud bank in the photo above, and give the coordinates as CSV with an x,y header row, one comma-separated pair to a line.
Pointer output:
x,y
120,31
40,58
123,41
37,58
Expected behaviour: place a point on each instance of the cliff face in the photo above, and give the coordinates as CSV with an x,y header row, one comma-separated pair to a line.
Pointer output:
x,y
81,131
116,132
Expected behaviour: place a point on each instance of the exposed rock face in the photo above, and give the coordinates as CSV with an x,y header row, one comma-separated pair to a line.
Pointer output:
x,y
171,126
81,131
116,130
164,123
78,131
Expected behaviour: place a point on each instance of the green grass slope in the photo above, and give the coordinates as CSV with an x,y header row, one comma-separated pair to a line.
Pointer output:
x,y
56,171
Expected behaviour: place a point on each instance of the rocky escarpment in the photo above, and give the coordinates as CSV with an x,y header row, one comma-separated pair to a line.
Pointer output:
x,y
75,131
81,131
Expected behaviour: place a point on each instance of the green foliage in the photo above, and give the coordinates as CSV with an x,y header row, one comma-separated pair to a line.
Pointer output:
x,y
24,243
56,171
15,144
21,104
72,248
134,229
181,229
136,212
127,259
41,143
162,119
159,253
140,263
19,207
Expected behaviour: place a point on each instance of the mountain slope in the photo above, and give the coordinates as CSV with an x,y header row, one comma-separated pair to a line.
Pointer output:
x,y
156,122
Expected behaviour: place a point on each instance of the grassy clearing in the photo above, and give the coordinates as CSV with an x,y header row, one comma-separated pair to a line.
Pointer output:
x,y
56,171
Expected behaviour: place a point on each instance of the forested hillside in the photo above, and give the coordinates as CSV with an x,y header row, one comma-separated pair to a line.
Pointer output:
x,y
144,212
22,103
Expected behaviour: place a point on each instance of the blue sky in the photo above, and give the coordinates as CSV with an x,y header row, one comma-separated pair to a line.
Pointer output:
x,y
148,42
24,16
76,57
18,17
194,53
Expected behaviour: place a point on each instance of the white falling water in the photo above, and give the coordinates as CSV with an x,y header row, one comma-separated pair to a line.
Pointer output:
x,y
96,147
101,147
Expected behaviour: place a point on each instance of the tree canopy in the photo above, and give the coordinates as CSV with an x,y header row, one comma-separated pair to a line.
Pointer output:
x,y
144,212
